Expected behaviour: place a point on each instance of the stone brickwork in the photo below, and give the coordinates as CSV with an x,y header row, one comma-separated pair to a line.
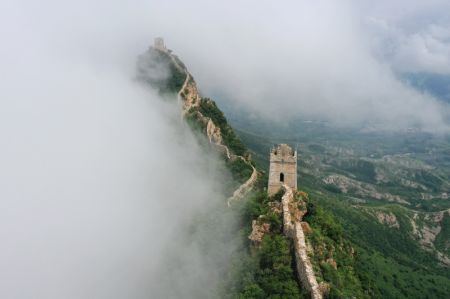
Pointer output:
x,y
304,267
283,168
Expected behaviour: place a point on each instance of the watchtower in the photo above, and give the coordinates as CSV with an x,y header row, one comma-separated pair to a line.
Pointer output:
x,y
283,168
159,44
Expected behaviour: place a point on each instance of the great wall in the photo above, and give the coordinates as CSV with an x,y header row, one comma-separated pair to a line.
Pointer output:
x,y
293,228
189,97
283,175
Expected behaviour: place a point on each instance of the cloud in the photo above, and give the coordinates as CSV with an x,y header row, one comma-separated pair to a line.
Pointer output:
x,y
314,60
426,50
101,182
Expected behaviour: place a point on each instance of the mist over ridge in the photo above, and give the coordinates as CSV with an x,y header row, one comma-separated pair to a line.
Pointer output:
x,y
324,60
102,184
101,179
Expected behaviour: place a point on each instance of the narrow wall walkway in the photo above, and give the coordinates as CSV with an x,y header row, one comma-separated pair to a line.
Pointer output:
x,y
292,228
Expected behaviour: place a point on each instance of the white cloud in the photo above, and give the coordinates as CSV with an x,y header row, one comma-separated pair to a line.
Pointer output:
x,y
413,36
427,50
99,177
298,58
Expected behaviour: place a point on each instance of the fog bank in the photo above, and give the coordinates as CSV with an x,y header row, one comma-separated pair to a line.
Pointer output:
x,y
325,60
100,179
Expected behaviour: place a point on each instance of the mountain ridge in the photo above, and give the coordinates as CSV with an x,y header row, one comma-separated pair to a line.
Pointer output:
x,y
333,257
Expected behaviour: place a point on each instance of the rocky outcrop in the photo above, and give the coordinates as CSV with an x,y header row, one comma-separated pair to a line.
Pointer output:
x,y
293,228
426,227
188,94
259,229
306,228
346,184
387,218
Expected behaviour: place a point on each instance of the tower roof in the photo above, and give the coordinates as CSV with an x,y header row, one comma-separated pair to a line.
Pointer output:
x,y
283,150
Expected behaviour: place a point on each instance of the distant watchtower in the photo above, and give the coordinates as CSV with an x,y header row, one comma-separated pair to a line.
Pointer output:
x,y
159,44
283,168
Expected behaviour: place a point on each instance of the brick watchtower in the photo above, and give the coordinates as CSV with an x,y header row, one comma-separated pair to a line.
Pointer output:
x,y
283,168
159,44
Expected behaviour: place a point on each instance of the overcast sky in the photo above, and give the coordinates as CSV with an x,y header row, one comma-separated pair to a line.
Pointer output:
x,y
98,175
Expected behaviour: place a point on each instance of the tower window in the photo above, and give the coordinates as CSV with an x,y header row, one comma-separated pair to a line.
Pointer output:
x,y
281,177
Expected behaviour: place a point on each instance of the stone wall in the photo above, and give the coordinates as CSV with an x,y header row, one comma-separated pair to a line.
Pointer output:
x,y
292,228
189,97
304,266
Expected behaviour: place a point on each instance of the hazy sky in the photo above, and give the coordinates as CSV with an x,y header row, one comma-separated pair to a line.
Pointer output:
x,y
99,177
